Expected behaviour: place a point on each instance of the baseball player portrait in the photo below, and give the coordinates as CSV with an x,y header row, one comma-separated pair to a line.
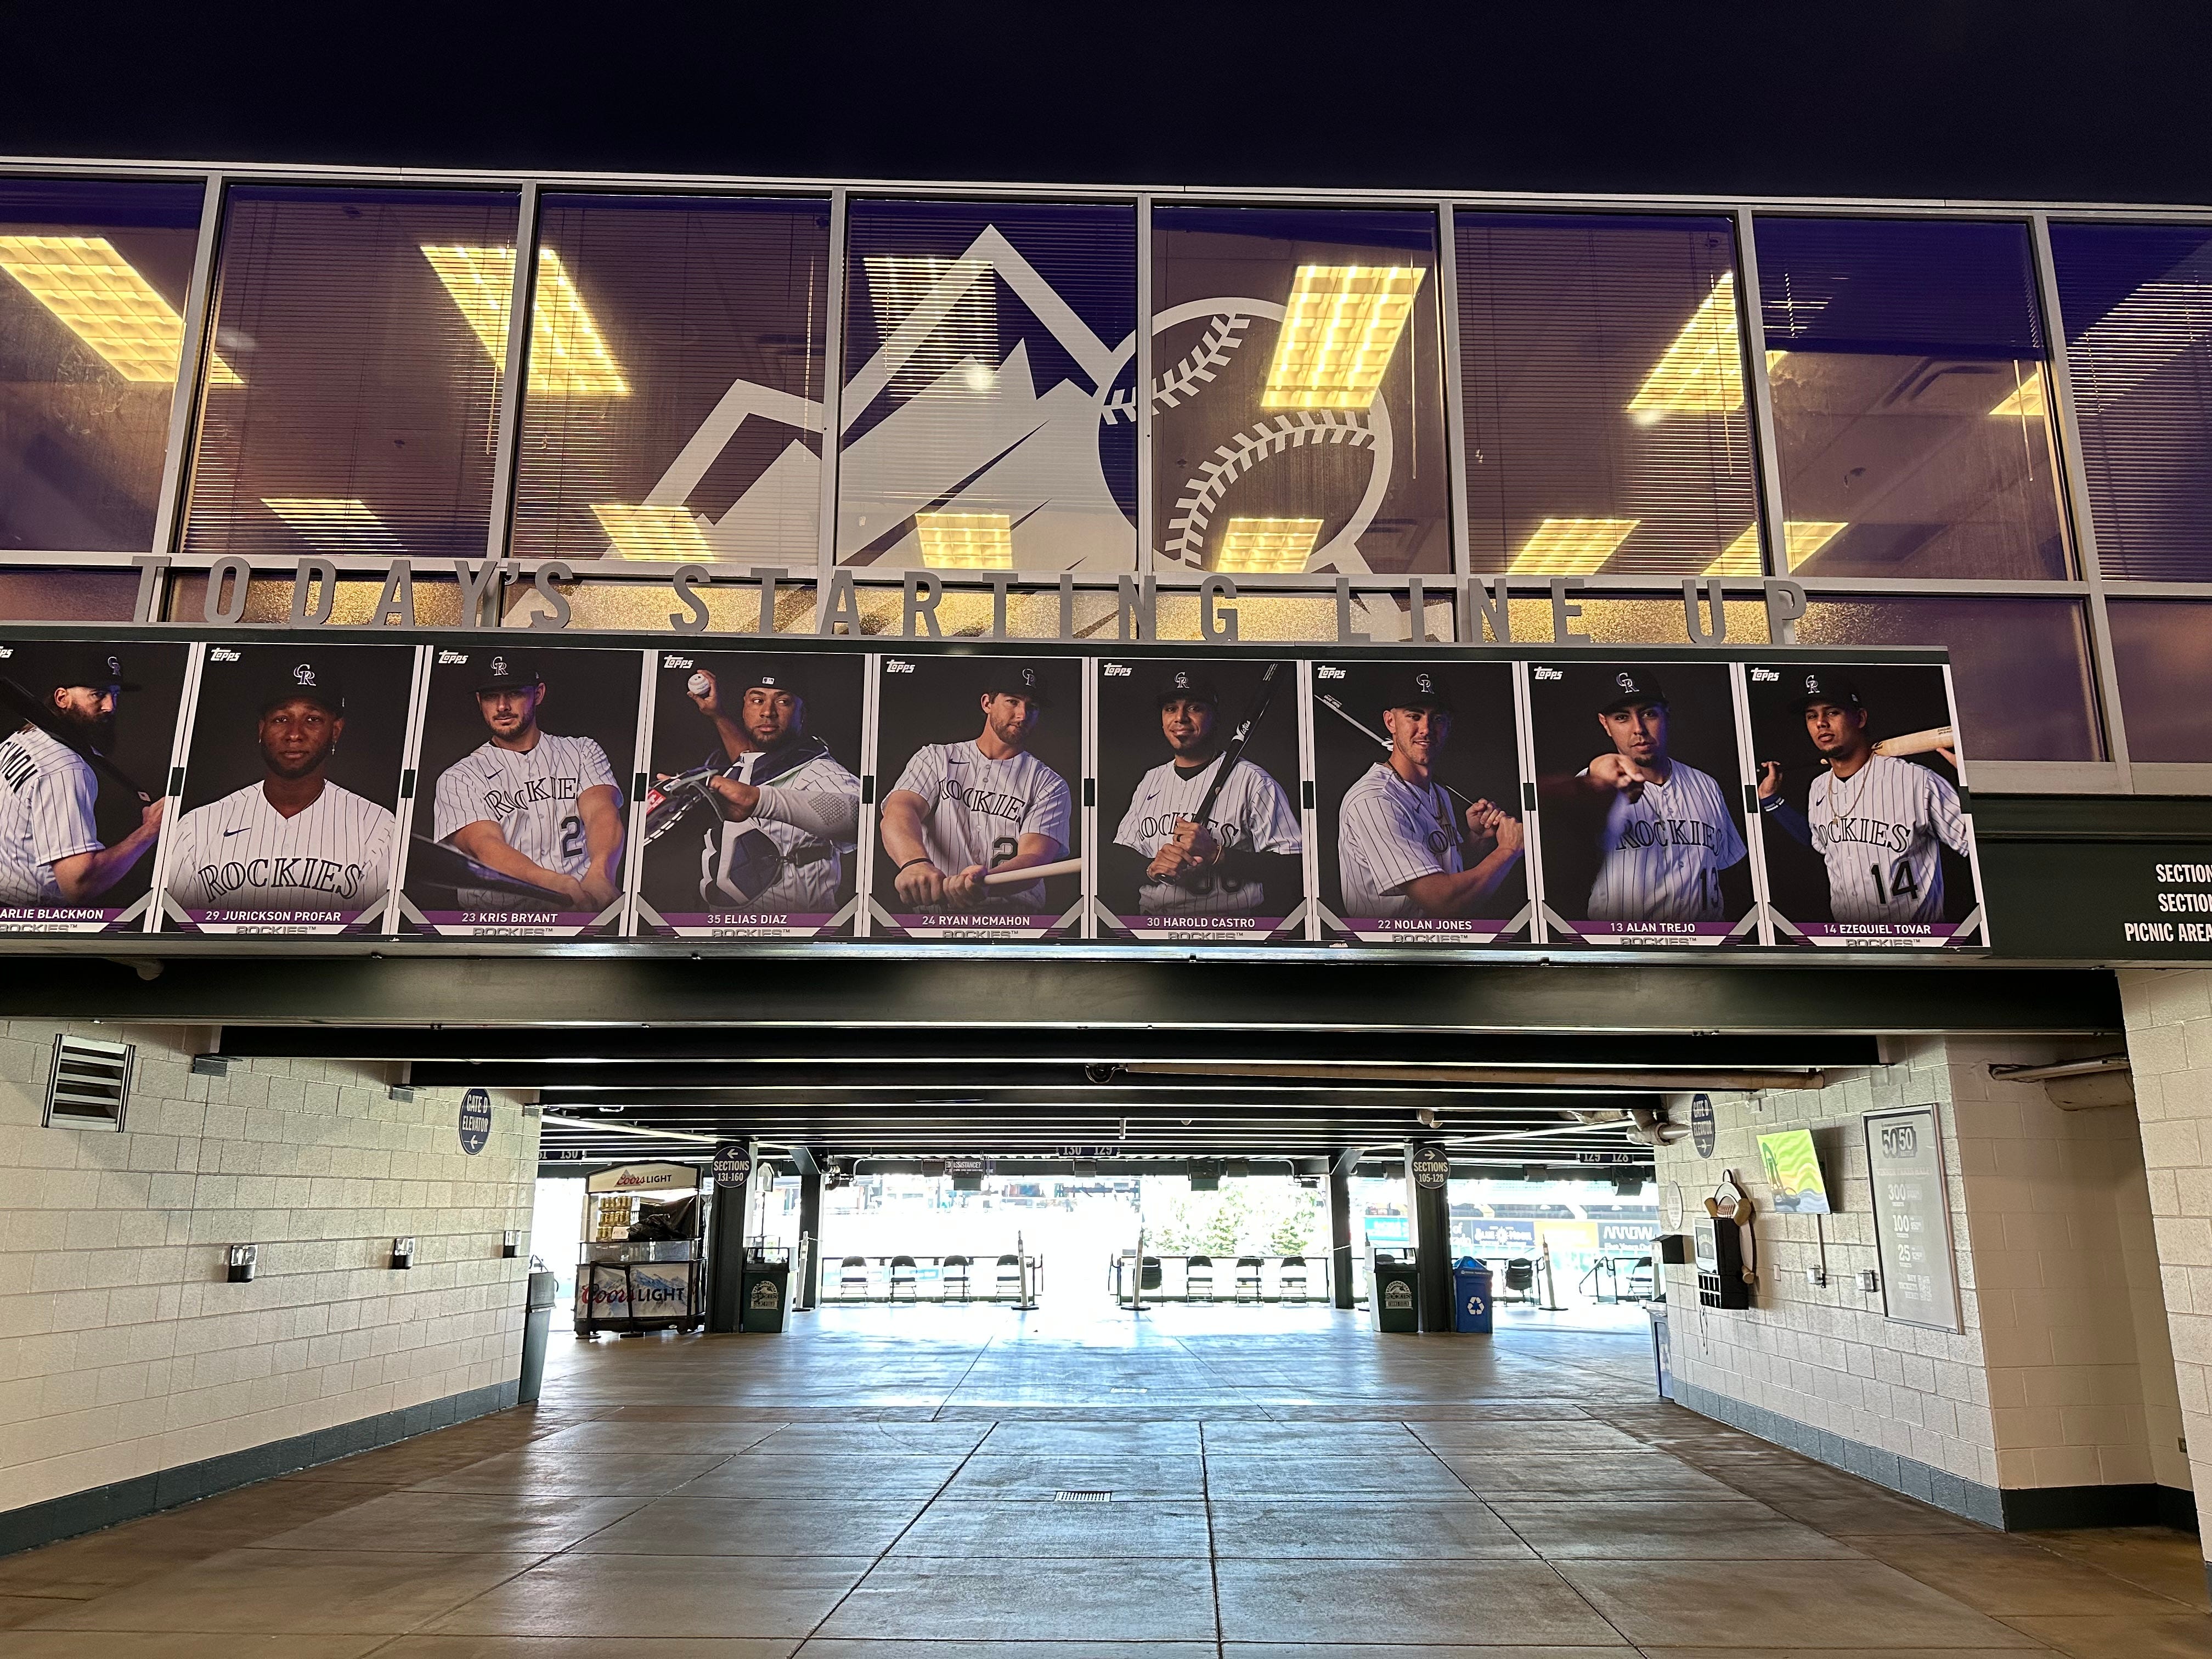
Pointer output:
x,y
1208,832
527,803
767,824
293,845
1666,845
1877,815
1407,844
966,818
51,851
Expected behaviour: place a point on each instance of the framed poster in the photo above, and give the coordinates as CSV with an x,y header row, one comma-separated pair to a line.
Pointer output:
x,y
1863,825
524,764
1419,822
978,769
752,813
1200,832
84,778
1641,838
288,810
1912,1217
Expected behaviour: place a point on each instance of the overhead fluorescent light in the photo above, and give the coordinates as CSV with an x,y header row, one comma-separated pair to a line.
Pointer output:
x,y
2026,401
653,532
1340,325
1801,540
335,525
569,355
1701,371
966,541
1571,547
1266,546
98,296
954,305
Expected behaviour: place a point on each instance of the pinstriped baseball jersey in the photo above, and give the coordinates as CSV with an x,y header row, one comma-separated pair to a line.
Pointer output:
x,y
1663,852
811,887
1390,832
530,794
240,853
1252,812
1878,829
46,792
979,809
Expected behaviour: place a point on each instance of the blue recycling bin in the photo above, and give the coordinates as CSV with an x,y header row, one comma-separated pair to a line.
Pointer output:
x,y
1471,1308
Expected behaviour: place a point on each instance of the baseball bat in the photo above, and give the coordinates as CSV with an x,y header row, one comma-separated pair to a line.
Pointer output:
x,y
1337,708
1028,873
1235,752
1919,743
20,702
445,866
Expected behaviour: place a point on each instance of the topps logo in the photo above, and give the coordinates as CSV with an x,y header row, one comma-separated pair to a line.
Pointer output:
x,y
1765,675
895,667
1118,671
1323,671
223,654
445,657
7,650
673,661
1548,673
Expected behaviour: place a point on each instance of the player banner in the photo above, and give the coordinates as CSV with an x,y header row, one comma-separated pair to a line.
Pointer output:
x,y
521,823
287,815
83,795
1199,832
1419,833
1639,776
1866,838
752,811
978,769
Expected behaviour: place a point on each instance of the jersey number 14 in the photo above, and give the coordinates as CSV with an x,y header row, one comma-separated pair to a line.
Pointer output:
x,y
1903,884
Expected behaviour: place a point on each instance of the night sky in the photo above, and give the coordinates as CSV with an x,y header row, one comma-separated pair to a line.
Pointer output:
x,y
2034,100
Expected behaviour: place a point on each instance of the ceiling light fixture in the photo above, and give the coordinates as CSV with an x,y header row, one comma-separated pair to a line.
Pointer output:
x,y
653,532
569,355
1571,547
1701,371
966,541
98,296
1266,546
335,525
1340,326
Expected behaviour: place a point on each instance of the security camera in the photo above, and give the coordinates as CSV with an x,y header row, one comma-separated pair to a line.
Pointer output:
x,y
1100,1074
1428,1117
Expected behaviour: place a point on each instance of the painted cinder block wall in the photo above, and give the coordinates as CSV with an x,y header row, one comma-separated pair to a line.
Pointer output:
x,y
124,1353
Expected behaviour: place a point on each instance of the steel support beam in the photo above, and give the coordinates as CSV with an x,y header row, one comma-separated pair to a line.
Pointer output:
x,y
1340,1223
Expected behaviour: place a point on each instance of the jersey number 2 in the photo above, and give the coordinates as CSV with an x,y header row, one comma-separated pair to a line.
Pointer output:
x,y
572,838
1903,884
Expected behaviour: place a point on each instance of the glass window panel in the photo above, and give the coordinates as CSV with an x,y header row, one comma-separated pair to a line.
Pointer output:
x,y
93,277
2166,677
673,407
1906,360
2138,300
367,330
1602,363
1298,391
2021,667
69,595
988,415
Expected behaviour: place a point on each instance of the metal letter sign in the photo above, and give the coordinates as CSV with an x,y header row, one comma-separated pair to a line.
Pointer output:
x,y
733,1164
1912,1217
1701,1124
1431,1168
476,1120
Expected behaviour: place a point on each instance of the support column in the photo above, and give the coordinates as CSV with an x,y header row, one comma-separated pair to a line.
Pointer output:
x,y
1432,1211
725,1258
808,1294
1340,1226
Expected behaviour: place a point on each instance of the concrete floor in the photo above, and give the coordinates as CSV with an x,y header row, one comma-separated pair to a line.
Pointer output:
x,y
884,1484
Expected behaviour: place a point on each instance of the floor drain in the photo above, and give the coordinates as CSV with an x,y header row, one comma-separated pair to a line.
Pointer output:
x,y
1092,1497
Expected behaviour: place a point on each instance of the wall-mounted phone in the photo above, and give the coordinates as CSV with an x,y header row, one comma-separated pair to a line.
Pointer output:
x,y
1719,1246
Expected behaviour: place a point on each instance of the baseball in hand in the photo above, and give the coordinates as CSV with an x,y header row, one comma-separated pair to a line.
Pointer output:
x,y
699,685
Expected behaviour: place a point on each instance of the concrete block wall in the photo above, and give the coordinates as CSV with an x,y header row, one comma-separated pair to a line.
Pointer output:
x,y
123,1350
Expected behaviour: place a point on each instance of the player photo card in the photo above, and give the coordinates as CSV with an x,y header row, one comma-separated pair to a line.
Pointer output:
x,y
1866,838
1419,832
979,774
1641,838
1200,834
752,819
521,810
288,815
84,775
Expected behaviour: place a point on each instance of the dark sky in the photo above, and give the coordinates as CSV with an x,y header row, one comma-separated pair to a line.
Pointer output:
x,y
2031,99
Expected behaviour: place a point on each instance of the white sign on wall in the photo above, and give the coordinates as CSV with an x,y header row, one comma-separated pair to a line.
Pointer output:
x,y
1912,1217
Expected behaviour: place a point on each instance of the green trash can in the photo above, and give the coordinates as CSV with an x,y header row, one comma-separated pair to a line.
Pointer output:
x,y
767,1290
1396,1302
